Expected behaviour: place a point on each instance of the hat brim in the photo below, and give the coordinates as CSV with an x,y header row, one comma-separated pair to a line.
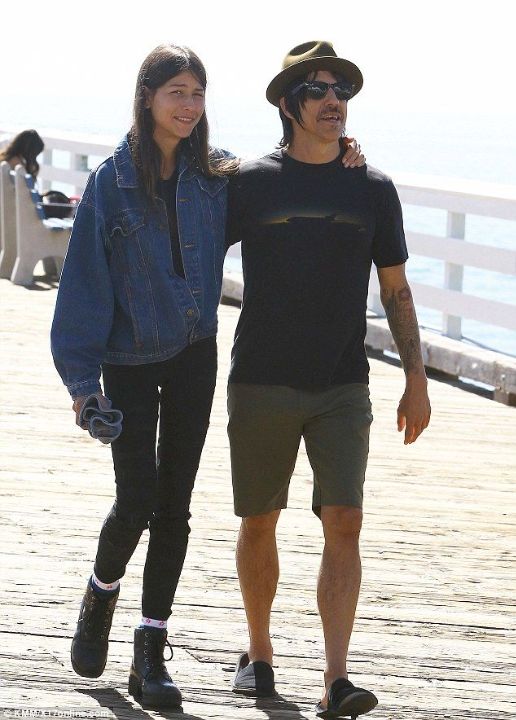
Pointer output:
x,y
347,69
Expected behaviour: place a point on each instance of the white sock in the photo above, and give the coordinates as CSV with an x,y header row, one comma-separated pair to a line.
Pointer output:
x,y
150,622
107,587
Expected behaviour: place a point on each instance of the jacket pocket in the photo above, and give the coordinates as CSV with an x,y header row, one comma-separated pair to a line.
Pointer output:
x,y
213,208
123,236
125,222
212,186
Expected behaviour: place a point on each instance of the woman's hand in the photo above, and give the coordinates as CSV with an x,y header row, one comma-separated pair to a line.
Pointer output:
x,y
104,404
353,156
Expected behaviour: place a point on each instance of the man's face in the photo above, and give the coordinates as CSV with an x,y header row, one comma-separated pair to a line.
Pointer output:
x,y
323,120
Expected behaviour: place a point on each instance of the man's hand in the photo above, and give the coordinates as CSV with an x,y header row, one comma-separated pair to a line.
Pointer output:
x,y
79,402
414,409
353,156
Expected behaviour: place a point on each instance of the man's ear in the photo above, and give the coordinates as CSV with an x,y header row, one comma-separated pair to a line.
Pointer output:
x,y
283,106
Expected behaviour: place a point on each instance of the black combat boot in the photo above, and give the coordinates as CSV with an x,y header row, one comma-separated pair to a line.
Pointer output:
x,y
90,642
149,681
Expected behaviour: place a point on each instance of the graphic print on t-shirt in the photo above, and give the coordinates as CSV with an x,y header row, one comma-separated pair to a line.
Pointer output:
x,y
313,215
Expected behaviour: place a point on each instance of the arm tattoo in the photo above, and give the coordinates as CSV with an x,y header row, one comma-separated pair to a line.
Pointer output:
x,y
401,316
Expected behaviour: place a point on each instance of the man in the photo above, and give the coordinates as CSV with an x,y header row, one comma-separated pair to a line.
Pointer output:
x,y
310,229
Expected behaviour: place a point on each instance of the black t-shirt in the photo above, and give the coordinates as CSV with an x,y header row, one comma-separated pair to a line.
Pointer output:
x,y
167,192
309,233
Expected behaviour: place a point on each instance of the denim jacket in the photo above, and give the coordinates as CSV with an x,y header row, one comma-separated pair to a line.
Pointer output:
x,y
119,300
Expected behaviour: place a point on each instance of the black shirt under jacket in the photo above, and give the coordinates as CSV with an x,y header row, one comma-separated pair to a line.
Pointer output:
x,y
168,192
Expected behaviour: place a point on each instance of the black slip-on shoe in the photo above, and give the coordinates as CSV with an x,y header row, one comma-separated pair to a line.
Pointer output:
x,y
254,679
346,700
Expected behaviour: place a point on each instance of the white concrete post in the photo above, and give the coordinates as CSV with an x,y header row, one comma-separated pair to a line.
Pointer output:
x,y
374,303
44,185
454,274
78,162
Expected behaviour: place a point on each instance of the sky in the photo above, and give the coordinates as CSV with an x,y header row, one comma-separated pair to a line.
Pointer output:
x,y
75,66
456,54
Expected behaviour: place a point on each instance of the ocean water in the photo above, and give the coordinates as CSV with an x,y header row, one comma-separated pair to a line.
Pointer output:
x,y
462,146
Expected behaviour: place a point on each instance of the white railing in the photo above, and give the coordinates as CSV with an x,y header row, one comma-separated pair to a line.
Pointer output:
x,y
67,159
80,153
457,198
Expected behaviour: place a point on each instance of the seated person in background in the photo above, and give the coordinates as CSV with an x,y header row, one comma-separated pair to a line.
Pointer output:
x,y
23,150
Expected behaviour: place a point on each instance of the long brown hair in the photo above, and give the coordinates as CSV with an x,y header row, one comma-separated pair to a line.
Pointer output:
x,y
27,145
162,64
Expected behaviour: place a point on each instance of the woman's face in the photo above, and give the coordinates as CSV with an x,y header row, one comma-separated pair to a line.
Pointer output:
x,y
176,106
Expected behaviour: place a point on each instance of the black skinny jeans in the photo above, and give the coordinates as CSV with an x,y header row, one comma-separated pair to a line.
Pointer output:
x,y
153,489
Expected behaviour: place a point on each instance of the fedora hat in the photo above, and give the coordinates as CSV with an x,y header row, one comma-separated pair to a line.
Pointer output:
x,y
314,55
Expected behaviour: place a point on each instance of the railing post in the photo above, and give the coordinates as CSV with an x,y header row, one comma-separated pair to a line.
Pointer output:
x,y
374,304
78,162
454,274
44,185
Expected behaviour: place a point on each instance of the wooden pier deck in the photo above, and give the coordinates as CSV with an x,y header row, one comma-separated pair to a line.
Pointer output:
x,y
435,628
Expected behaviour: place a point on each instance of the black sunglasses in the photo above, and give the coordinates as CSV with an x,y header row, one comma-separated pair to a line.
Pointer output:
x,y
316,89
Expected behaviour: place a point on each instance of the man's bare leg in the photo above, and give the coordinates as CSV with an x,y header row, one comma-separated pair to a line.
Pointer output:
x,y
338,586
258,572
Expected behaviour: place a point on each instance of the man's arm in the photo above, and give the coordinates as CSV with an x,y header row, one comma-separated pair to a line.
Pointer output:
x,y
414,407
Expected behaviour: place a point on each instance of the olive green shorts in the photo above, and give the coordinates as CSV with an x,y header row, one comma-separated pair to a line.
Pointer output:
x,y
266,424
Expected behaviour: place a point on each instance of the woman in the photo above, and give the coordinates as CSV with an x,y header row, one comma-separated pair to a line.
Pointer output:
x,y
138,296
23,150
